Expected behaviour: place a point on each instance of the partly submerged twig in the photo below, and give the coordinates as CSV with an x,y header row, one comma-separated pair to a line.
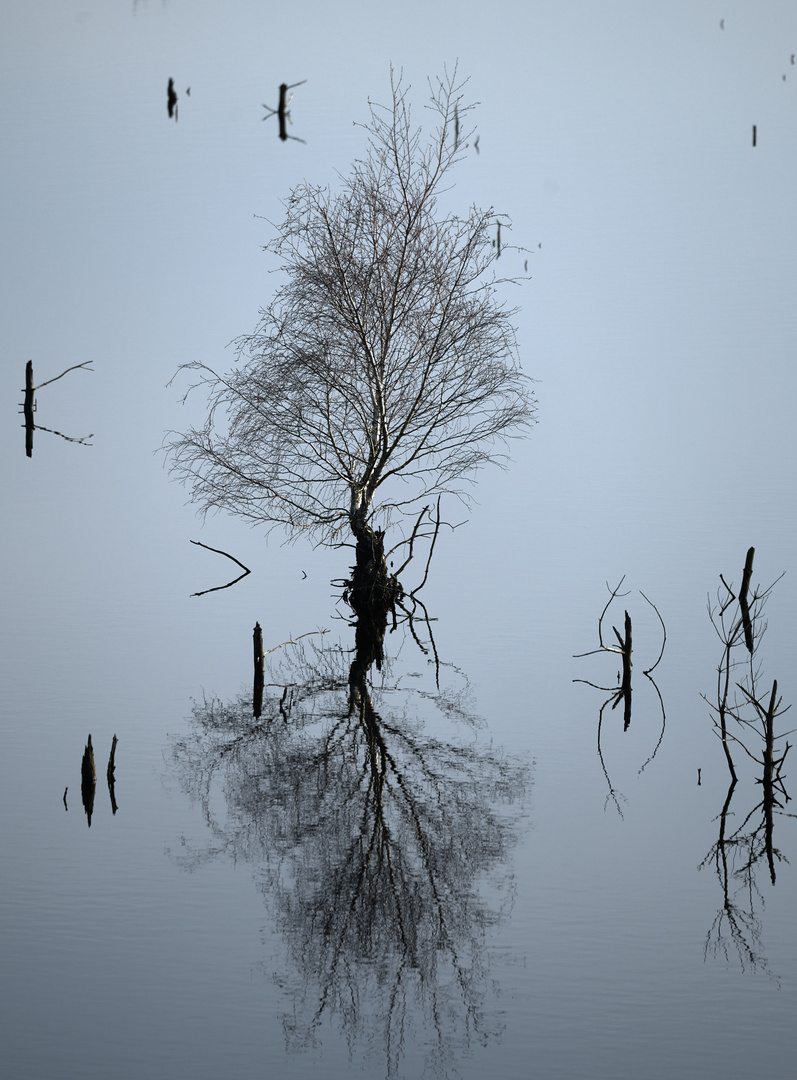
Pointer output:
x,y
282,112
226,554
83,440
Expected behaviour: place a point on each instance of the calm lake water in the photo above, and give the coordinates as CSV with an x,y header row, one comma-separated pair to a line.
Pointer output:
x,y
506,900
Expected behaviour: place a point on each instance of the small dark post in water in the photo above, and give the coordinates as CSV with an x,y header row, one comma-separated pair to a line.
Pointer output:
x,y
281,111
171,100
744,606
260,661
110,775
753,134
88,780
27,408
625,685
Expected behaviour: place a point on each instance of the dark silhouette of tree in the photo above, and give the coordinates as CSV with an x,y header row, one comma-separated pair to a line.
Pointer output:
x,y
385,370
380,840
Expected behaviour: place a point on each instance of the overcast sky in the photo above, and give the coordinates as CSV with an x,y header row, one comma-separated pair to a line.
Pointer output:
x,y
659,318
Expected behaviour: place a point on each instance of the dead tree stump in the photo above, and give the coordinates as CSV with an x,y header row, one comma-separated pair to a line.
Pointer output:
x,y
260,665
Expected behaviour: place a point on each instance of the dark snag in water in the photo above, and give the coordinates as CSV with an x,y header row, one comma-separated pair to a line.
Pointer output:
x,y
739,624
743,605
622,692
29,407
281,111
110,775
260,660
171,100
88,780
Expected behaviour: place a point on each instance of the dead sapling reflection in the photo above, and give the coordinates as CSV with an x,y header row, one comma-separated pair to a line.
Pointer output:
x,y
744,717
380,838
29,407
622,691
282,112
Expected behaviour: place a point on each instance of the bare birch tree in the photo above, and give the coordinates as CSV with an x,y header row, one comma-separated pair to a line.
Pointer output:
x,y
385,370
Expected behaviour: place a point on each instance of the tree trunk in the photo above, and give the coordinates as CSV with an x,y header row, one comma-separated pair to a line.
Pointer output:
x,y
371,592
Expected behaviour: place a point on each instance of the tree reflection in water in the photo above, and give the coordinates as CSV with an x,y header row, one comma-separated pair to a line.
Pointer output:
x,y
737,857
741,696
381,842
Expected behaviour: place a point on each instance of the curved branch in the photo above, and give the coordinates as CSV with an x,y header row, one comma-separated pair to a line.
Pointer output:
x,y
218,551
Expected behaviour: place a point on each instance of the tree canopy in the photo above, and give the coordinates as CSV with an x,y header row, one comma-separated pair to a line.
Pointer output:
x,y
385,369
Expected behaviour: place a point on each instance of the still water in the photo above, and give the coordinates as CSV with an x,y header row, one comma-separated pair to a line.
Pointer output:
x,y
526,888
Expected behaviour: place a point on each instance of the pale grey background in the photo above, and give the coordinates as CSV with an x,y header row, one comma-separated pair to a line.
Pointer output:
x,y
660,323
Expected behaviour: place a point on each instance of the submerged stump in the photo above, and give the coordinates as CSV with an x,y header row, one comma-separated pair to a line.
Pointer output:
x,y
260,664
372,593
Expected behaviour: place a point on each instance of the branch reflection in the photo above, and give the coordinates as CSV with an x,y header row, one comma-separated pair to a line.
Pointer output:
x,y
737,857
739,622
379,824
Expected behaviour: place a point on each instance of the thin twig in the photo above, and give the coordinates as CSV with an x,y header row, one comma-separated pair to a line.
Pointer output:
x,y
226,554
431,551
614,593
293,641
664,632
411,542
69,438
84,365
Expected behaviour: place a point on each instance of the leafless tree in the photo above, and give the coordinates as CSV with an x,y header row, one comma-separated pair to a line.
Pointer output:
x,y
385,371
